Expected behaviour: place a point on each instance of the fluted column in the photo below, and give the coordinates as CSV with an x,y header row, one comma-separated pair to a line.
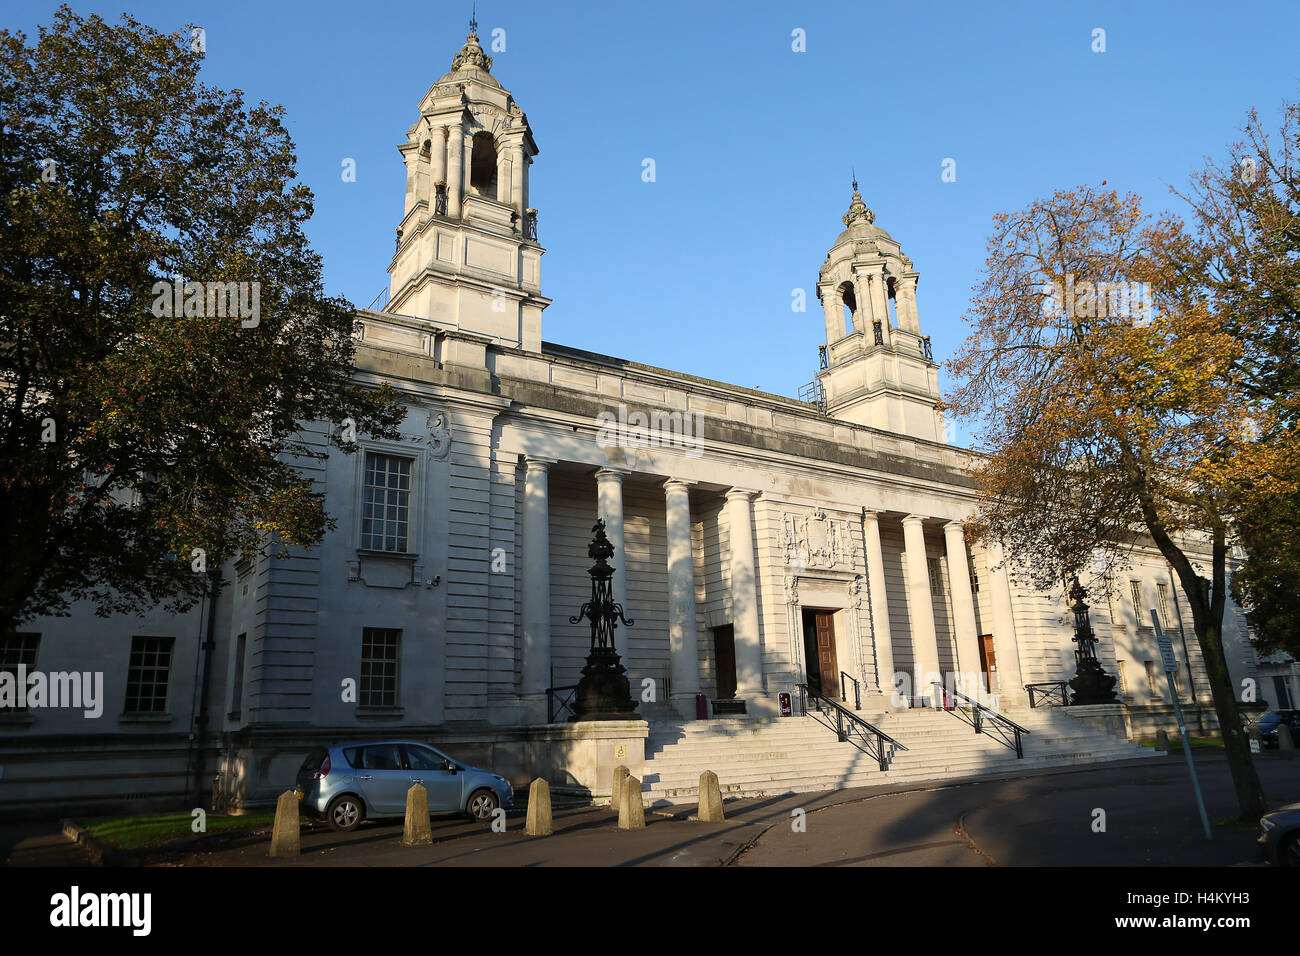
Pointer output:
x,y
536,586
683,641
455,168
438,158
879,604
879,295
963,610
1006,646
609,504
920,611
744,594
905,298
834,308
517,183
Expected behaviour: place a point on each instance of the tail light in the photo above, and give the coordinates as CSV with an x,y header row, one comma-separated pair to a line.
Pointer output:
x,y
323,770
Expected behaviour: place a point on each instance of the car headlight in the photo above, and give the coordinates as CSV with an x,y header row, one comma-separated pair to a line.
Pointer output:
x,y
1266,824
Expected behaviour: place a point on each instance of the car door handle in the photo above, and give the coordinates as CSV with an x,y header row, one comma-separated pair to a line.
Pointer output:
x,y
416,780
365,776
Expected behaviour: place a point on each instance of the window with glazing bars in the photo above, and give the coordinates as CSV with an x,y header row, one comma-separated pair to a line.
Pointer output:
x,y
16,650
380,648
386,511
147,675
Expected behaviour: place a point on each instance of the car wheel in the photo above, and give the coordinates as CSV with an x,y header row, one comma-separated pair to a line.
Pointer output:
x,y
482,804
1288,854
344,813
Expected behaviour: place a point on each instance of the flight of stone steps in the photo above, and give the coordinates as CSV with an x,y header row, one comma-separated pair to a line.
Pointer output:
x,y
767,757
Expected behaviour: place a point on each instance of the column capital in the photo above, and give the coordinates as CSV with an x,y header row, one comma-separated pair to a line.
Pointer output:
x,y
869,514
535,464
914,519
746,494
673,485
606,473
954,527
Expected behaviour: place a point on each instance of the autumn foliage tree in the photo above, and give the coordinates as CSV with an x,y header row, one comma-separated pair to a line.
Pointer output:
x,y
1115,409
131,442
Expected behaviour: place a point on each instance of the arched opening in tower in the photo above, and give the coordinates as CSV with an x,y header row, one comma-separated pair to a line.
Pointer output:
x,y
850,306
483,166
893,304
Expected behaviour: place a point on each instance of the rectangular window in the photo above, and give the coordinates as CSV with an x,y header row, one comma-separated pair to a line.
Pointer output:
x,y
1135,592
1152,687
386,510
380,648
15,650
1162,594
147,675
1123,680
936,576
237,687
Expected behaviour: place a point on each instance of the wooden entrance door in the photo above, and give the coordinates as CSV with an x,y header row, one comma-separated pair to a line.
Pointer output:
x,y
989,661
819,653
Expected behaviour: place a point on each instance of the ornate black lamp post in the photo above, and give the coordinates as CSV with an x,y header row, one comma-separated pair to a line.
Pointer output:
x,y
602,693
1091,685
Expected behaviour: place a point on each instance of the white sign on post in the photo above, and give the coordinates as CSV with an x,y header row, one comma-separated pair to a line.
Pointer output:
x,y
1167,652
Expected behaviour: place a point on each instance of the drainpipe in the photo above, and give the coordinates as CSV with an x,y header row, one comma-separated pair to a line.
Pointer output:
x,y
205,678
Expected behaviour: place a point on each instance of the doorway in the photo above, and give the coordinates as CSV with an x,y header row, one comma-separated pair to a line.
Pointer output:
x,y
724,659
819,653
989,662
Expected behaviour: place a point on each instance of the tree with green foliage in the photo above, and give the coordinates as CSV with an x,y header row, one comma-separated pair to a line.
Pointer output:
x,y
165,337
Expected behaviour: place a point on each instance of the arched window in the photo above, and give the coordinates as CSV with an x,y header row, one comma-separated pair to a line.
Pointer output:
x,y
850,306
483,167
893,303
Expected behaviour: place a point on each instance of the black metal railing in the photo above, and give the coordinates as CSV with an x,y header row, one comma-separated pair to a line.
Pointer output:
x,y
985,720
857,691
1053,693
558,700
849,727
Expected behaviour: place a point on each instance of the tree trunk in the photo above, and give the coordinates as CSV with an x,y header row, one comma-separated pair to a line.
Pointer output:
x,y
1251,804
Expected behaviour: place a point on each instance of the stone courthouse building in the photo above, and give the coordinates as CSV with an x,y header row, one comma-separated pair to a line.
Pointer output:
x,y
761,542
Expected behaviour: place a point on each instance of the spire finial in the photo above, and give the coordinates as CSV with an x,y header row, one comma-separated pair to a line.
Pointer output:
x,y
855,178
473,18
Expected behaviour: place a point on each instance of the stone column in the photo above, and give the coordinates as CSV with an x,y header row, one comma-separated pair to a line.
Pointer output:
x,y
683,640
517,183
905,298
455,168
536,587
920,610
879,604
609,504
834,308
963,611
503,177
438,157
1006,647
879,295
744,594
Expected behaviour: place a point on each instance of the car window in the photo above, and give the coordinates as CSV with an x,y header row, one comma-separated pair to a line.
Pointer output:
x,y
313,760
353,756
422,758
381,757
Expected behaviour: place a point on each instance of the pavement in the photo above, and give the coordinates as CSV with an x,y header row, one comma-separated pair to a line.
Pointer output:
x,y
1129,813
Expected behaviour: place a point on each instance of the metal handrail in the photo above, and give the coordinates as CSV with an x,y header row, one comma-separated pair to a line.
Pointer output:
x,y
980,715
1049,691
872,738
556,705
857,691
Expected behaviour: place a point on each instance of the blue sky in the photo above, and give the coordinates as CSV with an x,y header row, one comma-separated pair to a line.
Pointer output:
x,y
752,141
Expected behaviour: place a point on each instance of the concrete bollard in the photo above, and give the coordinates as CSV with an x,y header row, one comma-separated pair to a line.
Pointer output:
x,y
1285,739
285,839
1162,740
710,806
418,831
631,811
539,809
616,794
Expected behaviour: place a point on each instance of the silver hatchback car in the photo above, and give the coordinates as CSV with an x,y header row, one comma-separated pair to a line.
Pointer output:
x,y
346,783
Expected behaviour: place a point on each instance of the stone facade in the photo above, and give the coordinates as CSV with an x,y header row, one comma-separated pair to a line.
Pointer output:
x,y
443,598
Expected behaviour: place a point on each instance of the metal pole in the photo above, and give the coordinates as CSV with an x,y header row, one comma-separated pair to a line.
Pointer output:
x,y
1182,731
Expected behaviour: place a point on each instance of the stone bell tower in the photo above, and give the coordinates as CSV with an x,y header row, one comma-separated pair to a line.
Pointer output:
x,y
878,369
467,252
